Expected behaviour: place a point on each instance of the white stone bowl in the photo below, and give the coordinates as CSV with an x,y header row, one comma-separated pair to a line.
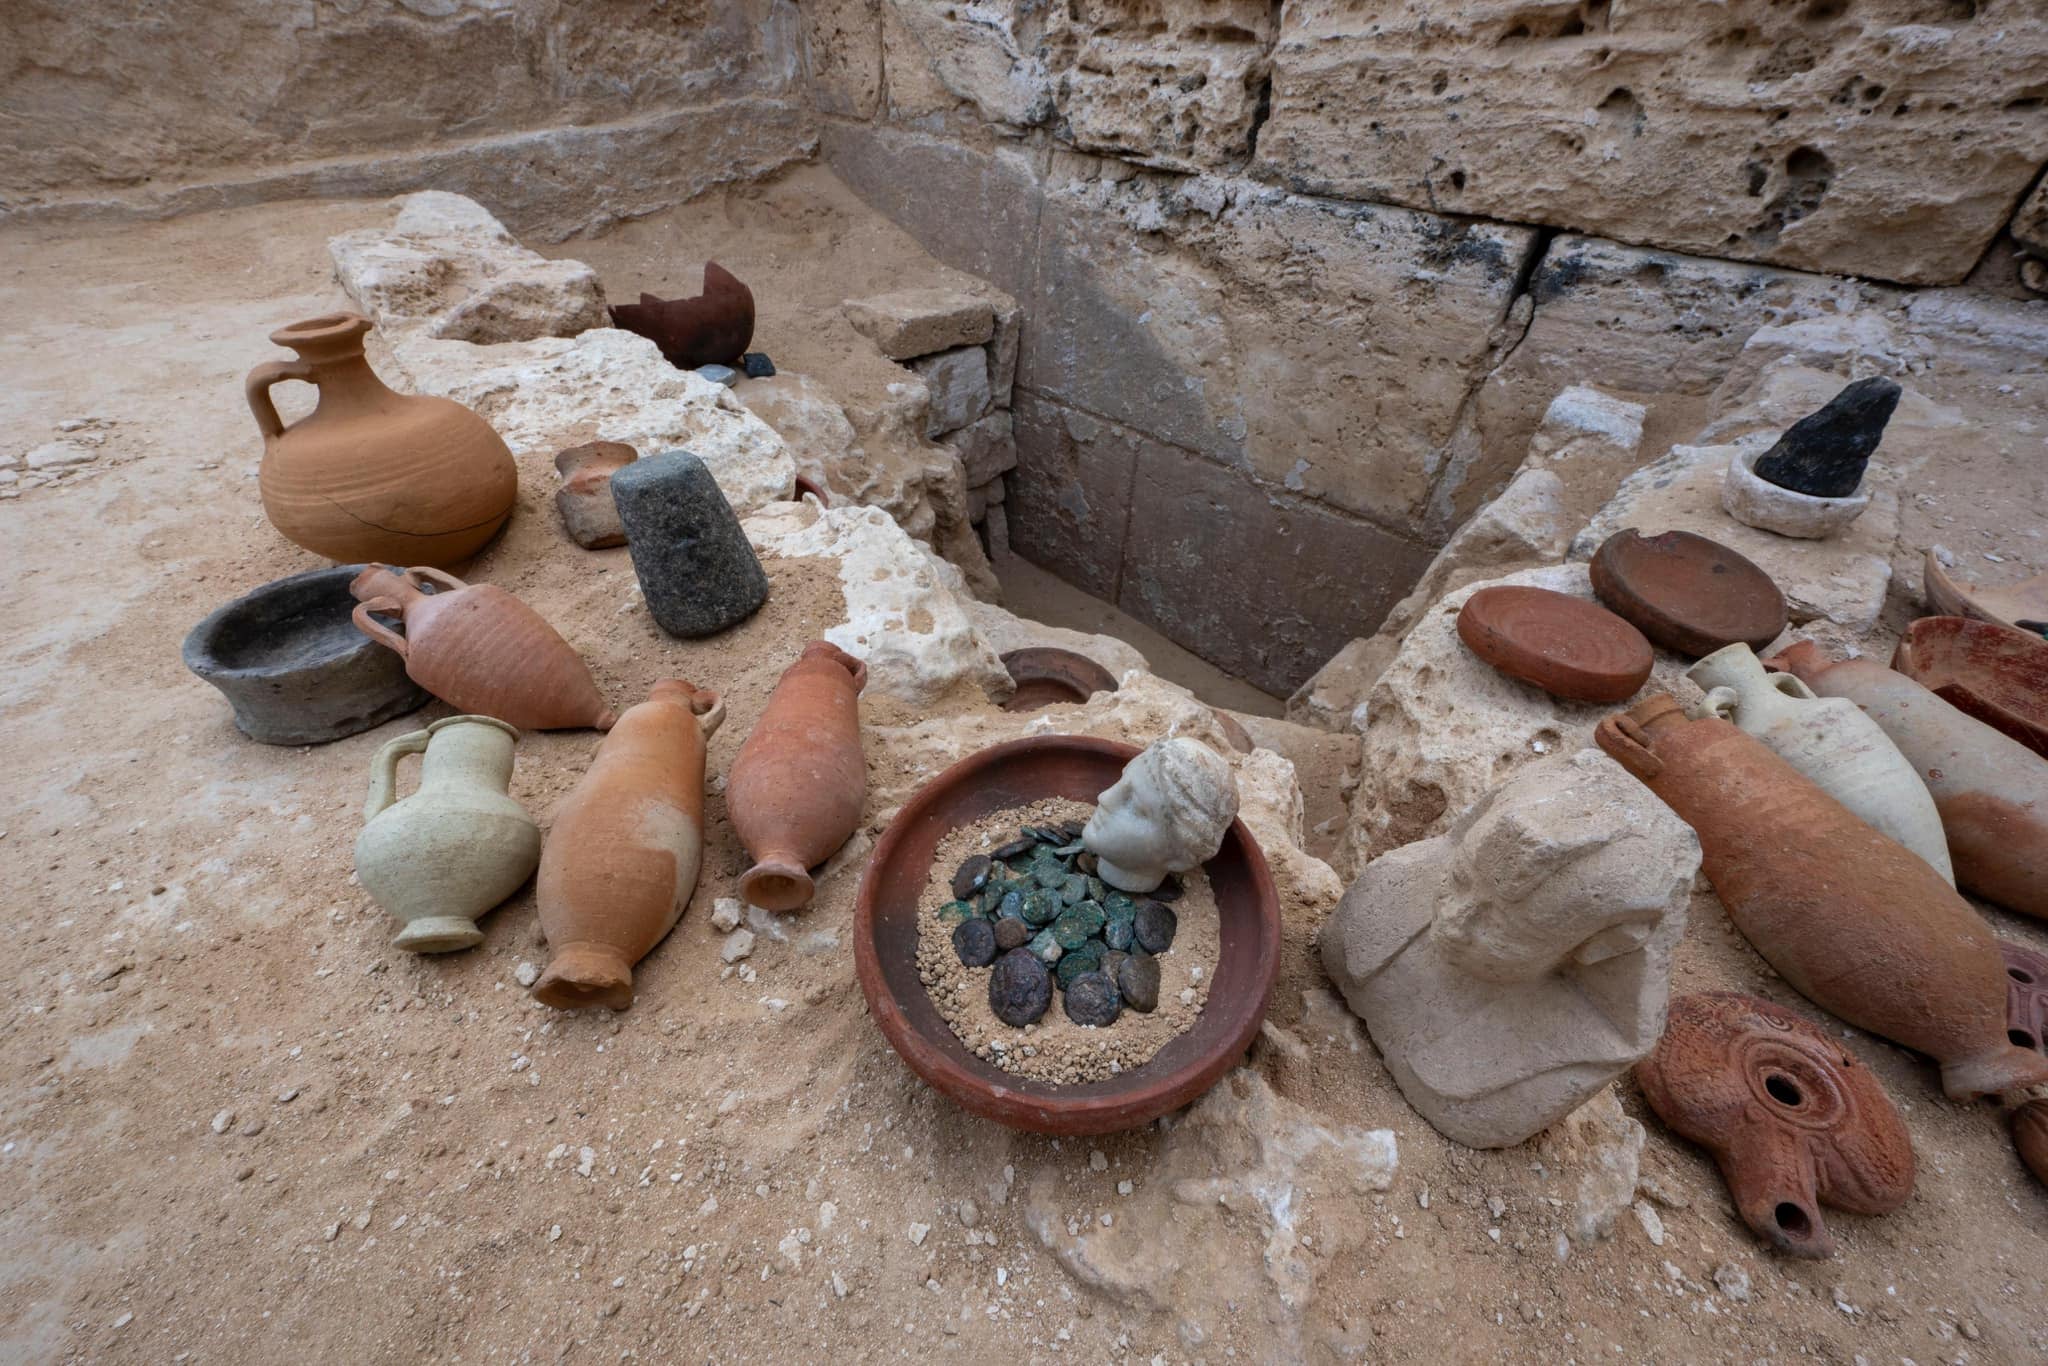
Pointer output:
x,y
1755,501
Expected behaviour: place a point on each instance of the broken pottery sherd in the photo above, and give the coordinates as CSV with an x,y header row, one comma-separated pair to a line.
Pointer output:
x,y
1687,593
372,474
1755,501
1166,814
1830,740
1995,673
456,847
2030,1136
1791,1116
796,788
696,568
713,328
1991,791
2023,606
2026,995
1823,454
1570,648
585,498
1854,921
294,667
477,647
623,853
1509,969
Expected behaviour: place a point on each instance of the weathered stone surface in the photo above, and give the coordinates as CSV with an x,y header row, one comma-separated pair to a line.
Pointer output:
x,y
447,267
1003,349
941,54
2029,226
905,607
1442,728
1208,550
987,449
1170,85
1858,140
908,323
604,385
1591,441
843,55
958,384
1069,503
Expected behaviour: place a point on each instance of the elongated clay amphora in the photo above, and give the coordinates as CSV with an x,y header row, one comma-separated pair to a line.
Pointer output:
x,y
795,790
372,474
477,647
623,853
1853,921
455,848
1991,790
1829,740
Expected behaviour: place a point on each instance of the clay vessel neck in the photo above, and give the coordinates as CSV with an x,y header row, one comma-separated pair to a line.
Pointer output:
x,y
462,754
331,351
1739,677
402,588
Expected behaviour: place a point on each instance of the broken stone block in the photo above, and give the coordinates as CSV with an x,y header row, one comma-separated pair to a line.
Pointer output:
x,y
1512,967
446,266
918,322
1002,354
958,381
585,499
987,448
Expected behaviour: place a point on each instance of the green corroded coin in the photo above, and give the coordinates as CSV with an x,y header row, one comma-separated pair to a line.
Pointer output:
x,y
1119,906
1041,907
1045,948
1011,907
1090,915
1074,889
1088,958
1118,934
1072,930
953,912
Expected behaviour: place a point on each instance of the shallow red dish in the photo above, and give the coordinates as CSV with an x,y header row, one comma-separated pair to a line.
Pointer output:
x,y
885,948
1995,673
1568,647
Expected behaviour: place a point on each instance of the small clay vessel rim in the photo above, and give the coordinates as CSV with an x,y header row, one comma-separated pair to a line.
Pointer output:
x,y
1003,777
326,329
198,649
1712,620
436,726
1747,459
1051,664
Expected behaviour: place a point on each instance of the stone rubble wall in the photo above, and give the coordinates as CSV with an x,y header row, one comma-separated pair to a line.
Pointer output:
x,y
1299,282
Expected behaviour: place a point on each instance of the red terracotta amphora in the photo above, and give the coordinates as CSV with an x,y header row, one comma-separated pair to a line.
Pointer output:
x,y
622,855
795,790
1991,790
1791,1117
480,649
1852,919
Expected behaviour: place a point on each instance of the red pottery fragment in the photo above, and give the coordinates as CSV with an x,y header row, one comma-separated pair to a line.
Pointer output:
x,y
1854,921
711,329
1793,1119
2030,1136
2026,996
1991,791
796,788
624,849
1568,647
1994,673
885,939
480,649
1687,593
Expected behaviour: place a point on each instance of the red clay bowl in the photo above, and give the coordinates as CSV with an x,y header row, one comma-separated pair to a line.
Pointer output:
x,y
1687,593
1046,675
1568,647
1995,673
885,948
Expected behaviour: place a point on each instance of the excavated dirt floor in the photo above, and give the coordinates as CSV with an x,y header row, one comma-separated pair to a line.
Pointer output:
x,y
236,1126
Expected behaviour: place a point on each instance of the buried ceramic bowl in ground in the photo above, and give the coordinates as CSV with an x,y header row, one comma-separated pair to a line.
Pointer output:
x,y
892,905
1046,676
295,668
1755,501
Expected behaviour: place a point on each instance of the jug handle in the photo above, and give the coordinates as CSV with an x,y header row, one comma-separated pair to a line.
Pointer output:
x,y
384,770
377,630
256,388
1622,737
713,715
439,577
1721,702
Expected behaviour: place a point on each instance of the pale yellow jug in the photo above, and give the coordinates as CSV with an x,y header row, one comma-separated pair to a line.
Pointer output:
x,y
455,848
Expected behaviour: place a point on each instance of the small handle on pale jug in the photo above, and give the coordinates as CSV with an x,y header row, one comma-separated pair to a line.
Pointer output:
x,y
384,771
256,388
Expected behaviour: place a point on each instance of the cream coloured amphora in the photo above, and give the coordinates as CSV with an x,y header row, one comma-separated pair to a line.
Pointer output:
x,y
1831,742
456,847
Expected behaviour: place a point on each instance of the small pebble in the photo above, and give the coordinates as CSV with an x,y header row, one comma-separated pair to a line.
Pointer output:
x,y
972,876
1011,933
1020,989
725,914
1137,977
719,374
1154,927
756,365
526,974
1092,999
738,945
975,942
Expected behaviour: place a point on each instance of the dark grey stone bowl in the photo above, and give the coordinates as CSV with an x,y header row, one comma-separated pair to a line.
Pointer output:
x,y
295,668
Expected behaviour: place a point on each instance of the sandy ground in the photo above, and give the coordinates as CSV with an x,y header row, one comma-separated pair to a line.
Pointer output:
x,y
413,1159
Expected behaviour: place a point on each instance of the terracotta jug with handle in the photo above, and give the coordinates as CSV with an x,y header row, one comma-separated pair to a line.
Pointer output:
x,y
795,790
477,647
372,474
458,846
623,853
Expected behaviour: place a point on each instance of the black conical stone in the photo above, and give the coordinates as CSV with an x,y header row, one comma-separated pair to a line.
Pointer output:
x,y
1823,454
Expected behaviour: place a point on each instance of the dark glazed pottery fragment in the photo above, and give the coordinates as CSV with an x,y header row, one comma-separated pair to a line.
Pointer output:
x,y
1793,1119
711,329
1823,454
885,944
1568,647
1046,676
1995,673
1686,593
295,668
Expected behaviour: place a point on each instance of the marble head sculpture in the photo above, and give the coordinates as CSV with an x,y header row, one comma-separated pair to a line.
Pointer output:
x,y
1513,966
1166,814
